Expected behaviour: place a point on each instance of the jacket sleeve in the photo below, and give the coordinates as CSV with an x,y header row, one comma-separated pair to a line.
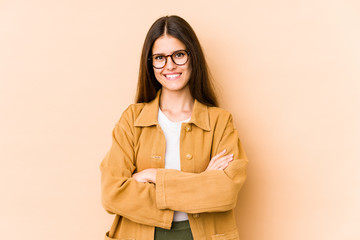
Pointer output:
x,y
121,194
209,191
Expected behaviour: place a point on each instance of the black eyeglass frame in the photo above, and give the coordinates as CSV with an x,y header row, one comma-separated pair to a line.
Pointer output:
x,y
171,56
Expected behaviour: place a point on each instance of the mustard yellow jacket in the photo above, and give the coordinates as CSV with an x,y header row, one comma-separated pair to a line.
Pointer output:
x,y
208,197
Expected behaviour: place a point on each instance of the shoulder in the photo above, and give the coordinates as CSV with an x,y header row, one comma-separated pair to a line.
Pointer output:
x,y
219,114
131,113
220,119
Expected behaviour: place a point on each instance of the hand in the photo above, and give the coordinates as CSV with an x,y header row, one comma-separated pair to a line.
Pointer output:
x,y
147,175
220,162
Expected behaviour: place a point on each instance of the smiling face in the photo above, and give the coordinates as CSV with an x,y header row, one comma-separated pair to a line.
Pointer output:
x,y
172,77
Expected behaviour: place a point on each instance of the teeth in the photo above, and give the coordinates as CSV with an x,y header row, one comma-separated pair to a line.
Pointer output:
x,y
172,76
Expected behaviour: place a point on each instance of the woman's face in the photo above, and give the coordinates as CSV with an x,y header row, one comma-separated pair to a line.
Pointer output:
x,y
172,77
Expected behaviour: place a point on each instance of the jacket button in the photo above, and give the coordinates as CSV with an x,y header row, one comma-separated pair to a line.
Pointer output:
x,y
196,215
188,156
188,128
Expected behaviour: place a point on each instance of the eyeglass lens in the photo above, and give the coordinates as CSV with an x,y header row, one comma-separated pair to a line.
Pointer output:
x,y
179,58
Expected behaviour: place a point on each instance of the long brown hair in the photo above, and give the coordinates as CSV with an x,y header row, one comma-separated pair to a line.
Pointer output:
x,y
200,85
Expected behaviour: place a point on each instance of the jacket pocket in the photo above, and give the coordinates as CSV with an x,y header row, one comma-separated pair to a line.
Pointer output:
x,y
109,238
233,235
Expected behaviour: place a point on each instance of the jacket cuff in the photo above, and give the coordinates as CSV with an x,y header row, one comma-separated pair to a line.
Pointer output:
x,y
160,188
169,216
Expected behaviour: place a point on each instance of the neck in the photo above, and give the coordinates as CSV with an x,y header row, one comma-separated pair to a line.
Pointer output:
x,y
176,101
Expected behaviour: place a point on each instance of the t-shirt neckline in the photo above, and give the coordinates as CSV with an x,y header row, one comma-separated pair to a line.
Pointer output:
x,y
172,123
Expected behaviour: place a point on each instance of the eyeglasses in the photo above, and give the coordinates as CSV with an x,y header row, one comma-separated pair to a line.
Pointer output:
x,y
179,57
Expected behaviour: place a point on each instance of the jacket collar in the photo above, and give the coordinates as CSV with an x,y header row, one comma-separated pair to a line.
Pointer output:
x,y
149,114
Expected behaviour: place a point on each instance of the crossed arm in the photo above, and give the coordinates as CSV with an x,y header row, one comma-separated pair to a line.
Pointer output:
x,y
132,196
218,162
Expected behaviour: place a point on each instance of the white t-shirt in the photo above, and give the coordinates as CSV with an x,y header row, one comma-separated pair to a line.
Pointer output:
x,y
172,153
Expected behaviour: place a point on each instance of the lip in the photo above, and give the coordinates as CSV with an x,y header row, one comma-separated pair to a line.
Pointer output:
x,y
172,76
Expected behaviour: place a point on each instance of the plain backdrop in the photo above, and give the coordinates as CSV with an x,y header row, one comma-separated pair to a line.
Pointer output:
x,y
288,71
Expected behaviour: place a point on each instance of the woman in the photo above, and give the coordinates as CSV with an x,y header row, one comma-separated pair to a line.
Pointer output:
x,y
176,163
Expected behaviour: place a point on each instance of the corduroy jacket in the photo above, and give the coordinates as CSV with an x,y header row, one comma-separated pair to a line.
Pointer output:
x,y
208,197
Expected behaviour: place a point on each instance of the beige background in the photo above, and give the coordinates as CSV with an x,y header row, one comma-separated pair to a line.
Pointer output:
x,y
289,72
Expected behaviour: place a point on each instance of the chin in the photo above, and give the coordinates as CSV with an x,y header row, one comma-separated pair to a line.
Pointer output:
x,y
174,88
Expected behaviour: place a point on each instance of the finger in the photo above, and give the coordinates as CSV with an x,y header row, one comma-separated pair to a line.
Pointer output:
x,y
215,162
217,165
219,154
215,159
223,166
138,177
223,160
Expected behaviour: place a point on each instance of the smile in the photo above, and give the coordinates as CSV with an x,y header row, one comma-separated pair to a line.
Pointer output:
x,y
172,76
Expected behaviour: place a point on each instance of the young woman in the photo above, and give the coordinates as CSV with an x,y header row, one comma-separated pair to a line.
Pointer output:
x,y
176,164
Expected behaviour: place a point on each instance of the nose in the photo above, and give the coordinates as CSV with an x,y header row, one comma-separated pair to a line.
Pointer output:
x,y
169,63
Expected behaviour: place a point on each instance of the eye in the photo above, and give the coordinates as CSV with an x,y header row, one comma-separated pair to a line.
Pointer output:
x,y
158,58
179,55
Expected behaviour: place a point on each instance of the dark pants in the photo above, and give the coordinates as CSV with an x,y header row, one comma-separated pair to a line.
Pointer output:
x,y
179,231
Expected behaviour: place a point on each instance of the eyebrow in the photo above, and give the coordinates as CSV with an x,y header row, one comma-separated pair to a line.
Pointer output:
x,y
169,54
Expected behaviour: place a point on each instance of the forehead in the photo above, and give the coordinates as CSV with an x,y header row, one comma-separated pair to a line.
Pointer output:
x,y
167,44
